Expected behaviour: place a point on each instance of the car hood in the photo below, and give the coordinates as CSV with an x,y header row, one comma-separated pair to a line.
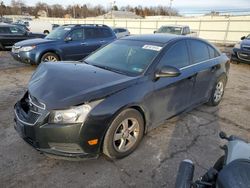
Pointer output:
x,y
65,84
31,42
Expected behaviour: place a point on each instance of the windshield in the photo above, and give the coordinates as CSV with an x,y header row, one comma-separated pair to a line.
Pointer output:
x,y
126,57
170,29
58,33
248,37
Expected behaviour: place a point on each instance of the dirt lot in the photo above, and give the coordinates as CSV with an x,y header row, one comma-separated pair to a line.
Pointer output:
x,y
192,135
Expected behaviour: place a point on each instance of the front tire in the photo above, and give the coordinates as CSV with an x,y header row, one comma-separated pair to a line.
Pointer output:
x,y
124,134
218,91
49,57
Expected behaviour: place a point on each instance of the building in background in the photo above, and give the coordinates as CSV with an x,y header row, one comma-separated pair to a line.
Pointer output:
x,y
42,13
120,15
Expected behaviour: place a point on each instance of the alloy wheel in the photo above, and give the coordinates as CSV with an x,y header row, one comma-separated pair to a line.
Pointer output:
x,y
218,91
126,135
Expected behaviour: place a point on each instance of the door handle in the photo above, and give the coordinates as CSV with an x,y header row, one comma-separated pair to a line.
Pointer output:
x,y
84,43
102,41
192,78
214,68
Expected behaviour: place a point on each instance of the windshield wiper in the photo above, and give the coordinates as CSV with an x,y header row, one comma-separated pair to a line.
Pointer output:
x,y
110,69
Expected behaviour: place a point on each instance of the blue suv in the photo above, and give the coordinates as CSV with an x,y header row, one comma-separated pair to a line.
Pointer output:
x,y
68,42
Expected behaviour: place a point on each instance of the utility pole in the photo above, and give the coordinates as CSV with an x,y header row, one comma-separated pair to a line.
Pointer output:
x,y
112,3
74,11
170,8
1,9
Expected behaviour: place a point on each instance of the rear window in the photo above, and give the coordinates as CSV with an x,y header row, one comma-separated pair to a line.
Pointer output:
x,y
92,33
199,51
212,52
104,33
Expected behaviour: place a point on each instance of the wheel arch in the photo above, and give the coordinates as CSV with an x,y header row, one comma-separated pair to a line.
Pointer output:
x,y
136,107
49,51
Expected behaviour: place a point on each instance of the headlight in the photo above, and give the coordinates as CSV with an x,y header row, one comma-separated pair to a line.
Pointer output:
x,y
76,114
237,45
26,48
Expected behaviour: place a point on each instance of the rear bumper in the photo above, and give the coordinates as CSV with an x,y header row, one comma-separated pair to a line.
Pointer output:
x,y
240,55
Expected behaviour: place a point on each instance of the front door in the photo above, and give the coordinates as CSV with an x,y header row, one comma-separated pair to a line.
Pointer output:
x,y
172,95
75,48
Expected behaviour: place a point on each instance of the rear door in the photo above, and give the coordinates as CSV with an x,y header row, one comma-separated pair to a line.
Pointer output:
x,y
92,41
105,35
204,64
172,95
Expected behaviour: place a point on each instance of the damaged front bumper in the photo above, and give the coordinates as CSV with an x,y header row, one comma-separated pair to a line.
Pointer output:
x,y
53,139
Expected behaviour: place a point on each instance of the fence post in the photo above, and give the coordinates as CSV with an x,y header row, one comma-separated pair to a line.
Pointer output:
x,y
199,29
140,26
226,33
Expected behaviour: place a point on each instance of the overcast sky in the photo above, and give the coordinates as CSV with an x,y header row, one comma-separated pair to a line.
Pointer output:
x,y
206,4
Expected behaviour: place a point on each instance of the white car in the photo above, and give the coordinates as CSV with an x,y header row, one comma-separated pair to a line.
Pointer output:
x,y
120,32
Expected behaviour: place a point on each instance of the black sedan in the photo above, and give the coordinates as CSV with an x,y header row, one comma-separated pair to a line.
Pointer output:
x,y
11,34
110,100
241,51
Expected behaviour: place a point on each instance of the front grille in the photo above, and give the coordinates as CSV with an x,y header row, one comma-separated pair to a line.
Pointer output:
x,y
29,109
244,56
246,47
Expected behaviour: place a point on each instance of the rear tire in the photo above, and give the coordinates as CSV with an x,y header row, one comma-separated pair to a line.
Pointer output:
x,y
124,134
49,57
218,91
46,32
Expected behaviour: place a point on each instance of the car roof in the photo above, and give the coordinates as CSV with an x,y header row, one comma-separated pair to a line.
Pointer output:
x,y
84,25
181,26
4,24
157,38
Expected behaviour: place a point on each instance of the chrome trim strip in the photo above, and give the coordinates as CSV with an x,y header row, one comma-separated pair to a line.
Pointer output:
x,y
197,63
44,106
238,53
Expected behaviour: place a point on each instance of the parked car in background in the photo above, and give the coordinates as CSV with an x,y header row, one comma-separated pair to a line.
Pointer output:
x,y
68,42
120,32
22,26
23,22
177,30
110,100
39,26
241,51
11,34
54,26
6,20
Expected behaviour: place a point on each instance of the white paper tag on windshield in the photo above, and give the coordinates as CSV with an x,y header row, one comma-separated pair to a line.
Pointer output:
x,y
67,28
152,47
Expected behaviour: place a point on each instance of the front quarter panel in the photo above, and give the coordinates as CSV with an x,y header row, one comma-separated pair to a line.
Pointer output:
x,y
101,116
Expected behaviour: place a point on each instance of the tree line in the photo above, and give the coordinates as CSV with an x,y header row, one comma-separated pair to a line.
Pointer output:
x,y
18,7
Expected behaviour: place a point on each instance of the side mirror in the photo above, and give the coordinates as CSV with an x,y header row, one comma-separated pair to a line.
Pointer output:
x,y
67,39
154,32
242,38
167,71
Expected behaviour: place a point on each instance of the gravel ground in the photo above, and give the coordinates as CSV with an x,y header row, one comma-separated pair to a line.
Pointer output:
x,y
192,135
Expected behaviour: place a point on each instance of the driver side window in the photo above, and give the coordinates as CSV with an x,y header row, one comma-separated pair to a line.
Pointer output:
x,y
176,56
76,34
